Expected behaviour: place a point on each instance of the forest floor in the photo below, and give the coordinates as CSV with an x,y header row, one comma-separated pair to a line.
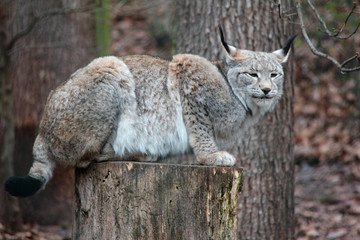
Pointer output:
x,y
327,201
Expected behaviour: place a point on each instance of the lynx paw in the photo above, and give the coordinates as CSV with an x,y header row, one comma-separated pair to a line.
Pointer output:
x,y
142,158
219,158
148,158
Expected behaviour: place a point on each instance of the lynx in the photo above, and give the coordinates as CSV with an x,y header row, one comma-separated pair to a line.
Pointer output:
x,y
143,107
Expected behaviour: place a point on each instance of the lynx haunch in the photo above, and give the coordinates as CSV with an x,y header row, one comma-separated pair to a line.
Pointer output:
x,y
145,107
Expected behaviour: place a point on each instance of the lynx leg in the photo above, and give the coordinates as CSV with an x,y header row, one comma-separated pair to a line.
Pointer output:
x,y
148,158
142,157
192,76
202,137
80,117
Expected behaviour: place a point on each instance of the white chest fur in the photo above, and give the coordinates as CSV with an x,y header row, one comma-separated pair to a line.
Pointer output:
x,y
152,124
139,134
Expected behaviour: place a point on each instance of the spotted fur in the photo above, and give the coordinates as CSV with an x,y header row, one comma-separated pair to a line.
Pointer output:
x,y
146,107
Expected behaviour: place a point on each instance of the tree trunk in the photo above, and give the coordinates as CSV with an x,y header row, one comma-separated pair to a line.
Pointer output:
x,y
266,151
40,60
11,205
45,57
132,200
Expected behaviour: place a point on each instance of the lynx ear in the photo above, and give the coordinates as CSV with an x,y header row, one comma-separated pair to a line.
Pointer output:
x,y
229,50
283,53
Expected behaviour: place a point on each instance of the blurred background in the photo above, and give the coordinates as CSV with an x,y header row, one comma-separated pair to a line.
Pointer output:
x,y
48,40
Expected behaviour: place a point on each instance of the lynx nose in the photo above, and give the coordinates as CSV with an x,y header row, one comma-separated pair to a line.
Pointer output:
x,y
266,90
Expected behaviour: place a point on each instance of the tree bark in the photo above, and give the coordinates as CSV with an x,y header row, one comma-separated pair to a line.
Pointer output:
x,y
266,151
11,209
152,201
44,55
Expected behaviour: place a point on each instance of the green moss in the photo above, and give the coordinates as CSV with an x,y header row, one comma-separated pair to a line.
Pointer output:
x,y
103,27
227,211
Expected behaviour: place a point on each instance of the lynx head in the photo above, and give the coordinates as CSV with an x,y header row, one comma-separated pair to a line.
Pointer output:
x,y
256,78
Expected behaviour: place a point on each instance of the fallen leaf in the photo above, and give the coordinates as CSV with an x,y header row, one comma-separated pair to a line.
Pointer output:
x,y
337,234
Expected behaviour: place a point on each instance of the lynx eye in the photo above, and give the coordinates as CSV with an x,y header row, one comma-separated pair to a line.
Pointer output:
x,y
273,75
254,75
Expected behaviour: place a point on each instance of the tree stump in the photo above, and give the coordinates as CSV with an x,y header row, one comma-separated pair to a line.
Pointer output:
x,y
133,200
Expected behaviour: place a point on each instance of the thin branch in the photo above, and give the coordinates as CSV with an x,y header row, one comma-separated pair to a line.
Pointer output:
x,y
319,18
337,33
316,52
356,56
53,45
22,33
37,19
345,22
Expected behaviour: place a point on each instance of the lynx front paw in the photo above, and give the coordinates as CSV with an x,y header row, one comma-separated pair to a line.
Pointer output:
x,y
148,158
219,158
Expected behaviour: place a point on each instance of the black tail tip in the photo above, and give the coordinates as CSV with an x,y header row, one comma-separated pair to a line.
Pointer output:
x,y
22,186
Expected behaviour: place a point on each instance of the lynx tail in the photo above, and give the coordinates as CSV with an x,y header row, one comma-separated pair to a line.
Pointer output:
x,y
40,173
23,186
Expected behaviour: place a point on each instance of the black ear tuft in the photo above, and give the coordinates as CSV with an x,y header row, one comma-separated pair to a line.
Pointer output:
x,y
23,186
288,45
226,46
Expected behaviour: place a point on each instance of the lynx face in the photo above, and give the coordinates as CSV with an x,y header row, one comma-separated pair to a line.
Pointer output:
x,y
257,78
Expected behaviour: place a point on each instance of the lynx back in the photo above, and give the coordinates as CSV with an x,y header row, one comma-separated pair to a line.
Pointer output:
x,y
142,107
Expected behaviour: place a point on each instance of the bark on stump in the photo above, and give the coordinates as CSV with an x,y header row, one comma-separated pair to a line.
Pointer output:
x,y
132,200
